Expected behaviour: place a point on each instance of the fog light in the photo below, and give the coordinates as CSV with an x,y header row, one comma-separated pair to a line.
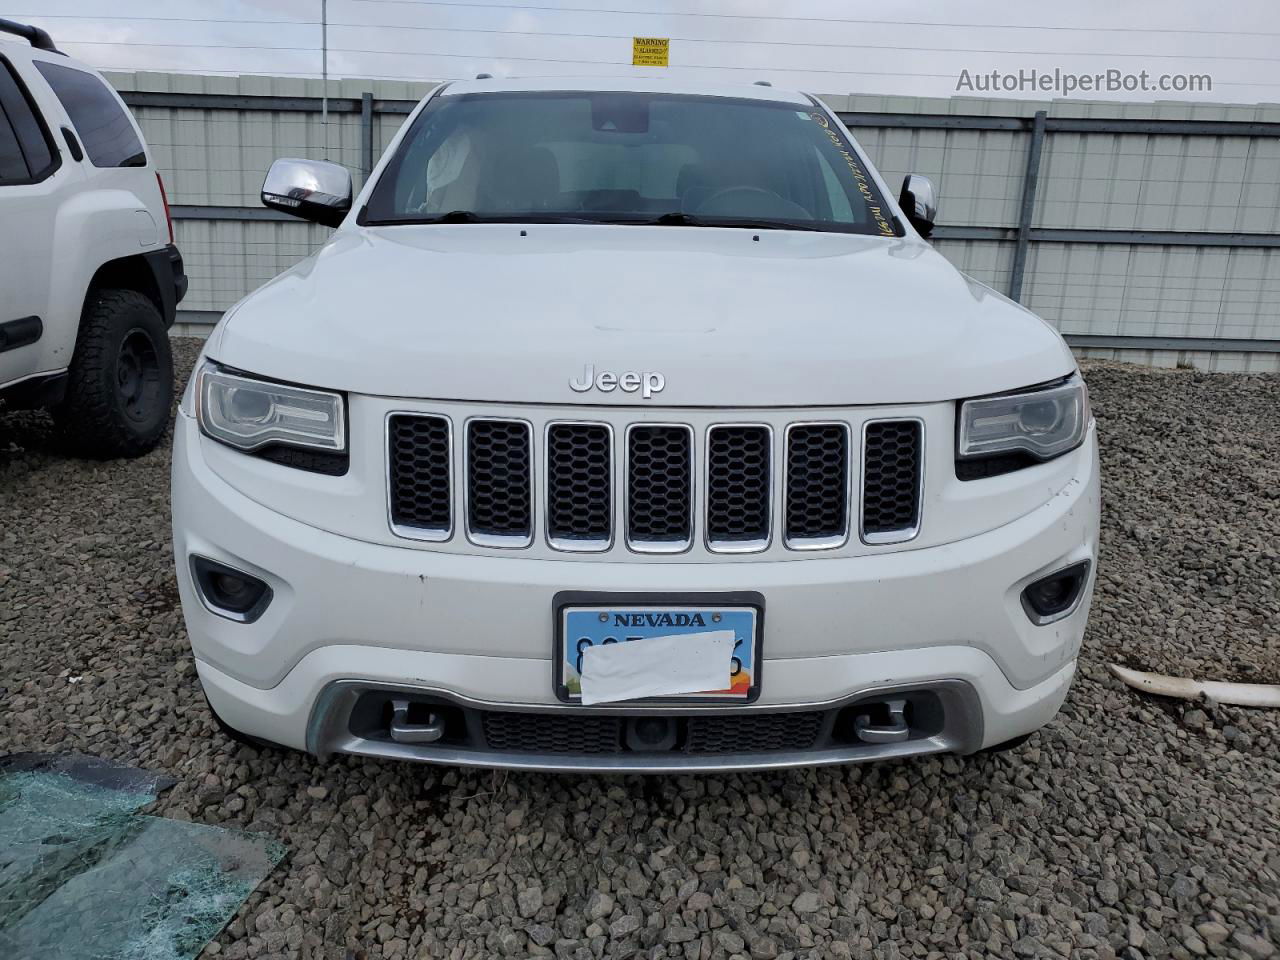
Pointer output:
x,y
229,592
1057,595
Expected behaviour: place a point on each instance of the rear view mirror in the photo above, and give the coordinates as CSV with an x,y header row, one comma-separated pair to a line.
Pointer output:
x,y
919,202
314,190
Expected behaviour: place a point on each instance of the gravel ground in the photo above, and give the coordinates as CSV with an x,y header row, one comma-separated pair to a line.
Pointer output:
x,y
1127,827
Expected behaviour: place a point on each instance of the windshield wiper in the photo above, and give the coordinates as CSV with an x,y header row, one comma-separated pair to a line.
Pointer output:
x,y
468,216
678,219
454,216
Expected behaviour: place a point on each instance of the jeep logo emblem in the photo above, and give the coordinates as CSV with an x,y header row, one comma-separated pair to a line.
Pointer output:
x,y
606,381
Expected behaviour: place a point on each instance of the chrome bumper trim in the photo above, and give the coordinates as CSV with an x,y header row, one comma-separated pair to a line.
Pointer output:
x,y
328,733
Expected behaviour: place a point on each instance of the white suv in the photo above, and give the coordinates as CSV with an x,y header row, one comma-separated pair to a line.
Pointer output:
x,y
631,426
88,270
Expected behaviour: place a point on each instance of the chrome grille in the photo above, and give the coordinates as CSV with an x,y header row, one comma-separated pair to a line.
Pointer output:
x,y
817,485
579,486
892,458
660,487
419,483
657,483
739,470
500,482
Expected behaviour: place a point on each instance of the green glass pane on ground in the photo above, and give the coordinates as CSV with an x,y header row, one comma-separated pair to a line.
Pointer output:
x,y
83,876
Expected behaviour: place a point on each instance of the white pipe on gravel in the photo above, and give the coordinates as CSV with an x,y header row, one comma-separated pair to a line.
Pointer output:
x,y
1239,694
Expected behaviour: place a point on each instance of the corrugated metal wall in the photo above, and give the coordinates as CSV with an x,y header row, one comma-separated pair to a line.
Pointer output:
x,y
1087,181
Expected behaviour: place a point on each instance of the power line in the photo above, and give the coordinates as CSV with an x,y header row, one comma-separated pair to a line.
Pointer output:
x,y
95,17
615,36
596,36
597,63
749,16
802,43
193,46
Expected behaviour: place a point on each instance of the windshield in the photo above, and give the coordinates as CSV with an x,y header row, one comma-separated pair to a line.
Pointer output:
x,y
628,158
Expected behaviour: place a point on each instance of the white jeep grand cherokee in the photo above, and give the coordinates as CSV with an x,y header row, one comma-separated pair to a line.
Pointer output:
x,y
631,426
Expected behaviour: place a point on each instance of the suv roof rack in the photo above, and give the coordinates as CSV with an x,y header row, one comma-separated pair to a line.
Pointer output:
x,y
38,38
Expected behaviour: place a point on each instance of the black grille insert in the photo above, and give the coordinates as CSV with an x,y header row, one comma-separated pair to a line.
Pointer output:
x,y
766,731
421,487
551,733
817,505
499,485
738,470
660,485
891,479
579,484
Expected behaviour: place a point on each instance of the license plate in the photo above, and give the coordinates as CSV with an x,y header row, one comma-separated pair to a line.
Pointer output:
x,y
582,627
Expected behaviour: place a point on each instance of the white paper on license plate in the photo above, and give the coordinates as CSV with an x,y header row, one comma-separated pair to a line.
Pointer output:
x,y
657,666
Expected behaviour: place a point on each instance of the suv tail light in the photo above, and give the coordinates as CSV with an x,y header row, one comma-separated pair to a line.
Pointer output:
x,y
164,198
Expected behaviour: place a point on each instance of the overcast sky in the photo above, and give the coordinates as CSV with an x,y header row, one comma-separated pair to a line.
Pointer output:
x,y
918,47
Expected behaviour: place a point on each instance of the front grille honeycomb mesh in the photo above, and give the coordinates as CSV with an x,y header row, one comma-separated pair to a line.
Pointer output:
x,y
579,498
738,489
660,484
420,472
749,734
499,491
551,733
817,481
891,482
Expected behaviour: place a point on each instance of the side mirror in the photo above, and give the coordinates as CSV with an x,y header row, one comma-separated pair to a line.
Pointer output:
x,y
919,202
314,190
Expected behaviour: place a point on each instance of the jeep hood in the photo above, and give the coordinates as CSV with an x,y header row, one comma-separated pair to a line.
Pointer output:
x,y
728,317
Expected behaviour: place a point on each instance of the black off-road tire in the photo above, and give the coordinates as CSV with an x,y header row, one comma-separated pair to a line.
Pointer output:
x,y
120,385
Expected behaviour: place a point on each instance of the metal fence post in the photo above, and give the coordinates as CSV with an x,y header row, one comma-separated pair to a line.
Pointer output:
x,y
366,134
1028,207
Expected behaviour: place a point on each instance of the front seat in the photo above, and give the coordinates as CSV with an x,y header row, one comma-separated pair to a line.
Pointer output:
x,y
522,181
694,184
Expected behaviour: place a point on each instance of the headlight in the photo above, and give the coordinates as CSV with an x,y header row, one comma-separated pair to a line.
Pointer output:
x,y
1042,423
250,414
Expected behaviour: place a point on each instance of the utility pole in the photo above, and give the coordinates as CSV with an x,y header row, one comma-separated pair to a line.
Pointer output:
x,y
324,74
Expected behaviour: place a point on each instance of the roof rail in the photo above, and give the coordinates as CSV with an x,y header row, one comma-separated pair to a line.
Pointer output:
x,y
38,38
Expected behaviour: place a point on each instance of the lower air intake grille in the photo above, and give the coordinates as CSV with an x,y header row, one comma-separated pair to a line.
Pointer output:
x,y
767,731
579,495
660,486
420,485
499,484
550,733
891,482
738,467
817,483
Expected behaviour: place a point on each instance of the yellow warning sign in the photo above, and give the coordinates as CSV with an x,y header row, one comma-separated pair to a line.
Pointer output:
x,y
650,51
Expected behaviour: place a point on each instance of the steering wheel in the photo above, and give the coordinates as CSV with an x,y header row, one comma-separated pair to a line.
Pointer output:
x,y
775,205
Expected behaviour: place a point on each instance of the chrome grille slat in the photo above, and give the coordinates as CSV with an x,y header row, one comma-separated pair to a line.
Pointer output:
x,y
660,474
893,469
817,485
579,492
739,491
499,484
420,476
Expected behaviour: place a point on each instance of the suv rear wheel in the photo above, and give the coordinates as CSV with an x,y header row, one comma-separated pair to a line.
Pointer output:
x,y
120,385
